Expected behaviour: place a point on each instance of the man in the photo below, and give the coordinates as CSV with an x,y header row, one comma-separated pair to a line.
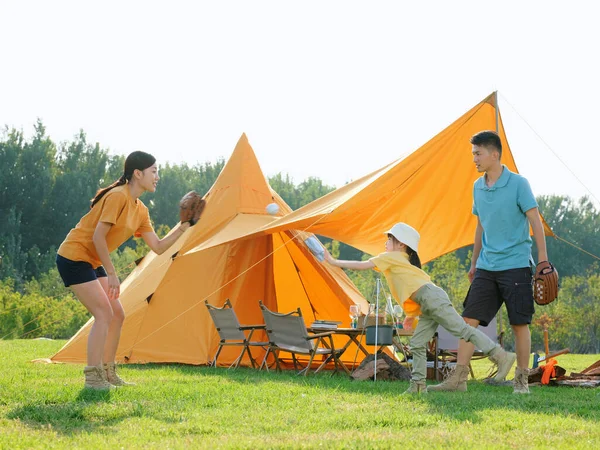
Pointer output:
x,y
500,268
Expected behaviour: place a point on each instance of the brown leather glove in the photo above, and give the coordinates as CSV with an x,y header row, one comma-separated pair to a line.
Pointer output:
x,y
545,283
191,207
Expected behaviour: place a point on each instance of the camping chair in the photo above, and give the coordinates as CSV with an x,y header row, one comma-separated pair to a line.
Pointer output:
x,y
288,333
232,333
445,346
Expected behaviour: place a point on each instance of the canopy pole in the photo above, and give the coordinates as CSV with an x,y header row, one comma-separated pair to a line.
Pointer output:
x,y
496,108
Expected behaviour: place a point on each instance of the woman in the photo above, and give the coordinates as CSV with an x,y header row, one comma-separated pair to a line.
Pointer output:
x,y
84,263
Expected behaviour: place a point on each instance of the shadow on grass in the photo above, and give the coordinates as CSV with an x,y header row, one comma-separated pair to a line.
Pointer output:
x,y
91,411
472,406
69,418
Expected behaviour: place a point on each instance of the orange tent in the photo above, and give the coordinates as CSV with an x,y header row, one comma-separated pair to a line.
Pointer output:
x,y
163,298
430,189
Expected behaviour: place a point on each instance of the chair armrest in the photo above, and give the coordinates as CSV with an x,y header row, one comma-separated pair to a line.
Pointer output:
x,y
253,327
320,335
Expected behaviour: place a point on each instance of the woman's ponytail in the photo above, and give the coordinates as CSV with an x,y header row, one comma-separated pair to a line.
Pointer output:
x,y
135,161
102,192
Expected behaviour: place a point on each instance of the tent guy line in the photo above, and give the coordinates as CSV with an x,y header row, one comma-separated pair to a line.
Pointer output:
x,y
552,151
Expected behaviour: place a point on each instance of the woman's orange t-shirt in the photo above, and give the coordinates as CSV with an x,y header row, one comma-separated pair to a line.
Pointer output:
x,y
128,216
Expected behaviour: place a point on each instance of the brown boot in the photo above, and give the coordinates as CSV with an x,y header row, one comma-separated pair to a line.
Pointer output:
x,y
504,360
112,377
416,387
521,381
94,378
457,381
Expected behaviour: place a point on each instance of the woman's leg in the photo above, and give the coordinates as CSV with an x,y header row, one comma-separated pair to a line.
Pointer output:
x,y
94,298
114,330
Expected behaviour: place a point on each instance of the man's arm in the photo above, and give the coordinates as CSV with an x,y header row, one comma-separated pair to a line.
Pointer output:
x,y
476,249
533,216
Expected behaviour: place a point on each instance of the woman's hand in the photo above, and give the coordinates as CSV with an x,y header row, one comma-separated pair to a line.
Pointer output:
x,y
114,286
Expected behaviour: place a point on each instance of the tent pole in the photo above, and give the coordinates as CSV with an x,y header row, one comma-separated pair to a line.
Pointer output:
x,y
378,284
497,110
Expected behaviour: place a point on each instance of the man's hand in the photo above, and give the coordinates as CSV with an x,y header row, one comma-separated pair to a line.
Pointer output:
x,y
472,273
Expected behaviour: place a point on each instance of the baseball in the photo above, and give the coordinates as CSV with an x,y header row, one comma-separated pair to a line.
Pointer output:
x,y
272,208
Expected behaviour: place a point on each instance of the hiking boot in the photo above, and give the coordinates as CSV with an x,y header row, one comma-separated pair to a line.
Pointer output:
x,y
416,387
504,360
457,381
94,379
110,369
521,381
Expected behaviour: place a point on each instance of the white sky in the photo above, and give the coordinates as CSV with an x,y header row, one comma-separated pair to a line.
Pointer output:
x,y
331,89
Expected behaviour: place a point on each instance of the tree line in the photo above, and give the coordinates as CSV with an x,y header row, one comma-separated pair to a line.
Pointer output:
x,y
45,188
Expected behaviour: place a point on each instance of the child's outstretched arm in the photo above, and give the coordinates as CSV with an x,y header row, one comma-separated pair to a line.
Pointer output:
x,y
355,265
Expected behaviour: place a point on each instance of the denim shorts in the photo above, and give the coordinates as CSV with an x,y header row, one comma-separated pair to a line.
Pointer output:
x,y
77,272
490,289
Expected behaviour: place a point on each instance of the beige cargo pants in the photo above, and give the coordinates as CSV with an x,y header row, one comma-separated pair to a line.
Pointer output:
x,y
436,309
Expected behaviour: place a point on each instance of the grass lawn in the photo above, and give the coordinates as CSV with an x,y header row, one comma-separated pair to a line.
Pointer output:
x,y
176,406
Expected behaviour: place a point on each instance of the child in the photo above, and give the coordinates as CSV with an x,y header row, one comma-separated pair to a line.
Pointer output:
x,y
83,260
412,288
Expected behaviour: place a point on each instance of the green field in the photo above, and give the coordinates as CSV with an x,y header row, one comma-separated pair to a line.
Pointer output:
x,y
176,406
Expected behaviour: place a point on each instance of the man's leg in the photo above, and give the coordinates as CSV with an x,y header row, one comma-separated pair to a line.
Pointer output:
x,y
516,288
522,345
466,349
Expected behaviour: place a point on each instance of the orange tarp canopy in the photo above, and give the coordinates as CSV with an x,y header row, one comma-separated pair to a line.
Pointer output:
x,y
430,189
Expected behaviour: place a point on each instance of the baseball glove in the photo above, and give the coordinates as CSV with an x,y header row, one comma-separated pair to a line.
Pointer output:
x,y
190,207
545,283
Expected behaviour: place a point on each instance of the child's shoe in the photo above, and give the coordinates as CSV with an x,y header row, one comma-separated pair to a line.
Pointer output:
x,y
416,387
504,360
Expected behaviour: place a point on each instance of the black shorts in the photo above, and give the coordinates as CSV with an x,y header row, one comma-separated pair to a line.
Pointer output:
x,y
77,272
490,289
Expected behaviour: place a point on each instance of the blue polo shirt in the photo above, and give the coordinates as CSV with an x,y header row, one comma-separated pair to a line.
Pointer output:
x,y
506,242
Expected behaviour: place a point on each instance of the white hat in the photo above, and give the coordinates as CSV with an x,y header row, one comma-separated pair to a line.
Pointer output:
x,y
405,234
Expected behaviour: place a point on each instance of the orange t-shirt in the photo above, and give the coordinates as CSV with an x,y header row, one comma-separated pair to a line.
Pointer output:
x,y
128,216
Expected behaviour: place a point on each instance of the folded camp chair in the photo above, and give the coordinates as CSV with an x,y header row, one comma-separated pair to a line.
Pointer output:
x,y
445,346
288,333
232,333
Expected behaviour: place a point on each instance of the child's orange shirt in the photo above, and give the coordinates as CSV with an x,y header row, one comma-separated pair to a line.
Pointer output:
x,y
128,216
403,279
